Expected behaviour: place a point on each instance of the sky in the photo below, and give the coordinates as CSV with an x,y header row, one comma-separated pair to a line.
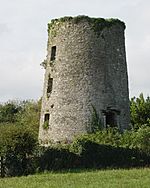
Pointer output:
x,y
23,41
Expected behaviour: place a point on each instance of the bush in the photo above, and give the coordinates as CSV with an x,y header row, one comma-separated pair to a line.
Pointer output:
x,y
142,139
58,159
140,111
109,148
17,145
110,136
137,139
102,156
103,149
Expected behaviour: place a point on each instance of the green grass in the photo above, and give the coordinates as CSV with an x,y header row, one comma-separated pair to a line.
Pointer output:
x,y
133,178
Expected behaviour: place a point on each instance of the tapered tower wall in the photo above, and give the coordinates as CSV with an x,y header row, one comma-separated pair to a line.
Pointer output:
x,y
85,70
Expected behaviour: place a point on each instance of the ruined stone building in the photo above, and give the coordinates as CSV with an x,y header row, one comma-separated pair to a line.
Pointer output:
x,y
85,71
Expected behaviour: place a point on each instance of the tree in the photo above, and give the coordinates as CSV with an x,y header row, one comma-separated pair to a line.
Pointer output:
x,y
18,136
140,111
8,112
29,116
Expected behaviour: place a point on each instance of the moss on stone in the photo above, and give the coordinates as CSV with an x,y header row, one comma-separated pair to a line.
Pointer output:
x,y
98,24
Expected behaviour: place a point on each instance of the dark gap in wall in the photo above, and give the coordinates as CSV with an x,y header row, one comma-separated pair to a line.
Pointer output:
x,y
46,117
111,119
49,86
53,53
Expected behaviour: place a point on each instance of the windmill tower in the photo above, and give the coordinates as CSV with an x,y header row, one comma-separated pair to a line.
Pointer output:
x,y
85,69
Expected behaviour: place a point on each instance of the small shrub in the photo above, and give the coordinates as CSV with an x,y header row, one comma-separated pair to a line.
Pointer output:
x,y
46,125
95,120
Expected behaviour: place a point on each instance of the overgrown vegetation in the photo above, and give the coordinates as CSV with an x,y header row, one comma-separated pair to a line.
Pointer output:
x,y
95,121
46,125
98,24
21,155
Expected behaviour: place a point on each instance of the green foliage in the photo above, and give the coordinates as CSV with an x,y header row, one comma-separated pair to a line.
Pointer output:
x,y
21,113
131,148
8,111
54,158
29,116
100,149
18,138
16,146
95,120
105,148
110,136
128,138
46,125
140,111
142,139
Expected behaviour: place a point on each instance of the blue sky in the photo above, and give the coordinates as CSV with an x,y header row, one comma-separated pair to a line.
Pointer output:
x,y
23,41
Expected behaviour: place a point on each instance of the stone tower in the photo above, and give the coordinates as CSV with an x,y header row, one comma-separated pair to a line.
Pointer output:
x,y
85,70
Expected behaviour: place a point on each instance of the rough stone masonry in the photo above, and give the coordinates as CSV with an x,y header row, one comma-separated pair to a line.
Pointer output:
x,y
85,73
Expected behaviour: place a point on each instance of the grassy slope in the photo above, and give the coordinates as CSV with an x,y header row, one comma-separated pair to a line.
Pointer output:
x,y
138,178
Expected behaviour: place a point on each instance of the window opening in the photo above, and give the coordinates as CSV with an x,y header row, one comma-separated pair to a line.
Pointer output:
x,y
49,86
111,119
46,117
46,121
53,53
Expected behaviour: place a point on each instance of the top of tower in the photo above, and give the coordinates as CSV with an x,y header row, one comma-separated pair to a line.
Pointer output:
x,y
98,24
